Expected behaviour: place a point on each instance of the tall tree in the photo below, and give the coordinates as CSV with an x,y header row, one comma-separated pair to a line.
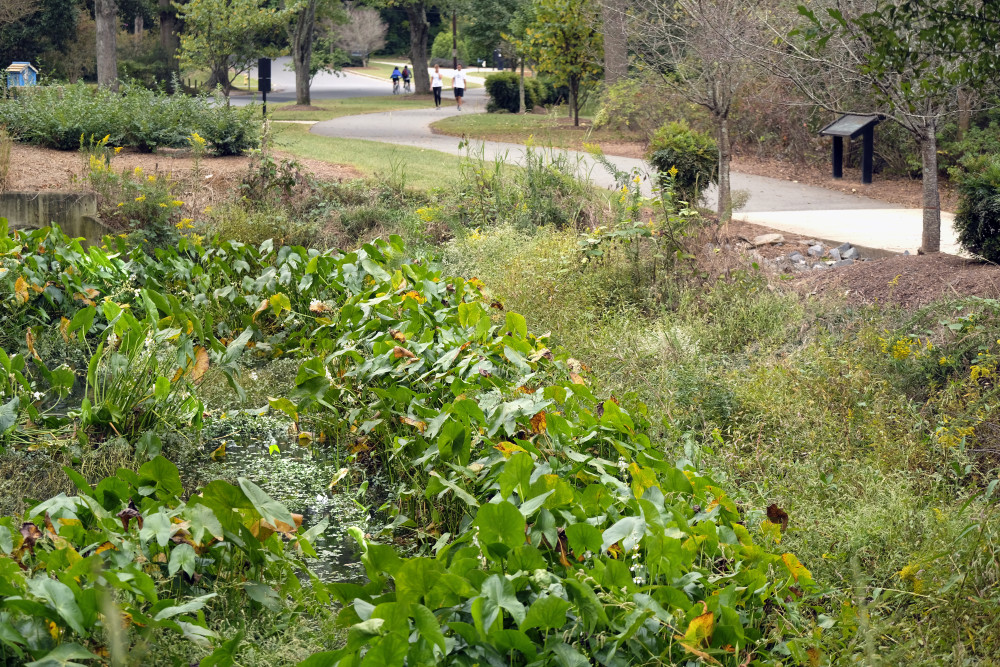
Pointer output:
x,y
697,47
227,36
106,16
563,42
169,40
615,40
301,32
910,56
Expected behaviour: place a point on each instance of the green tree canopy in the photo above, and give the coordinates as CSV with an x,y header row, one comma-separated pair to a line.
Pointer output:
x,y
563,42
227,36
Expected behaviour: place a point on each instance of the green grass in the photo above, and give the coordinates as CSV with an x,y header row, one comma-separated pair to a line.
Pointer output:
x,y
553,129
423,168
351,106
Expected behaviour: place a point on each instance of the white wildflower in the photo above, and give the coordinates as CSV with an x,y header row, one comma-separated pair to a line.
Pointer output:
x,y
37,395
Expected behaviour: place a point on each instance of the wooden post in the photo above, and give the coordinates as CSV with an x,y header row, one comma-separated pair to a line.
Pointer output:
x,y
868,152
838,157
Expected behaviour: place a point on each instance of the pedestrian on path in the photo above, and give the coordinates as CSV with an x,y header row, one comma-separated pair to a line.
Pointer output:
x,y
458,83
436,86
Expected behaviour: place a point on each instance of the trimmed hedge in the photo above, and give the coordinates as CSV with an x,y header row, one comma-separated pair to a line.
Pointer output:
x,y
504,91
136,117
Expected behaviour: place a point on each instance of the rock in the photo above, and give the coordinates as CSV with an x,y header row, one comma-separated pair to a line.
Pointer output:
x,y
796,256
834,254
843,262
852,253
820,265
816,250
767,239
906,252
843,247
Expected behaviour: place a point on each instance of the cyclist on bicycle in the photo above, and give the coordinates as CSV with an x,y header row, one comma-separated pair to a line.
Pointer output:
x,y
406,77
395,76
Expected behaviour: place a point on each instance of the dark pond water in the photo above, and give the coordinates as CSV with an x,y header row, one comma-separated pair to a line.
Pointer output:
x,y
299,478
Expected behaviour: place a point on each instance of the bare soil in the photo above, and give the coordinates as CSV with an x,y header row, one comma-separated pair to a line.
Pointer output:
x,y
34,168
910,281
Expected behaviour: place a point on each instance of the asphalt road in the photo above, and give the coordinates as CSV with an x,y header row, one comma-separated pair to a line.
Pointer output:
x,y
324,87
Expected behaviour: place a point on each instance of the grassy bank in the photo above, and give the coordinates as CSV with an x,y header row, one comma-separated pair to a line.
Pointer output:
x,y
329,109
552,129
417,167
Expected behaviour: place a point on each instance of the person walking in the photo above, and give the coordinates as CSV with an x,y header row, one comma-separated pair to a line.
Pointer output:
x,y
458,84
436,86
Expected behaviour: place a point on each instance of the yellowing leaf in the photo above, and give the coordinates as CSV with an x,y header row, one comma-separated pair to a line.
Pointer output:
x,y
63,328
21,290
397,335
538,423
771,530
341,474
421,426
219,453
798,570
508,448
200,363
260,309
699,631
642,479
577,378
305,437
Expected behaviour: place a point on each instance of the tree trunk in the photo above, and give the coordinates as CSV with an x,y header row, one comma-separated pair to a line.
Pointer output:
x,y
571,102
615,43
168,34
301,38
964,111
520,86
107,35
931,241
417,13
725,207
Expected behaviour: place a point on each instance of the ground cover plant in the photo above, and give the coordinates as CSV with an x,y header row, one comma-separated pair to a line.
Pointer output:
x,y
63,117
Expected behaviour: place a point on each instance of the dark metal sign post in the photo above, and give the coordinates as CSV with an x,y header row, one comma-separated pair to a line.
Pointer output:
x,y
852,126
264,79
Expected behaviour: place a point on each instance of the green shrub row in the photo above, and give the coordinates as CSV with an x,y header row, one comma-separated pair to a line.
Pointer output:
x,y
62,117
504,91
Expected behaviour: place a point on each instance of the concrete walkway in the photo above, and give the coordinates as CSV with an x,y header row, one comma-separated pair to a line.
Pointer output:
x,y
778,204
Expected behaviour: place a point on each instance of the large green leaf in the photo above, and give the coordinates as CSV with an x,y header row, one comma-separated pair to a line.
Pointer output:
x,y
64,655
500,522
500,591
270,510
60,597
547,613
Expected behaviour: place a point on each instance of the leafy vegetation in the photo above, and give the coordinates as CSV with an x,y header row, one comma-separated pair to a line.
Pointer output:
x,y
689,156
64,116
978,218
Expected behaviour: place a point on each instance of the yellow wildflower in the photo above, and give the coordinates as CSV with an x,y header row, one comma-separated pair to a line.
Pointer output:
x,y
672,171
141,198
118,149
177,202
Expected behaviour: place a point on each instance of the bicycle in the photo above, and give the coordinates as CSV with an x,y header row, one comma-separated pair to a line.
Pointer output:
x,y
395,86
406,86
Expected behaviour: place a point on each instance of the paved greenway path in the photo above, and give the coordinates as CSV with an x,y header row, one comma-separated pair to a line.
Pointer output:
x,y
779,204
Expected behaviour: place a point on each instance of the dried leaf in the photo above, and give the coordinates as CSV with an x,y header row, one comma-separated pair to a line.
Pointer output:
x,y
63,328
699,631
260,309
538,423
31,534
577,379
129,513
777,515
397,335
400,352
30,338
200,363
421,426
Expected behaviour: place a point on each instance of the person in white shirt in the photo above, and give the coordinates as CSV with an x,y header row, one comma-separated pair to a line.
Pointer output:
x,y
458,83
436,86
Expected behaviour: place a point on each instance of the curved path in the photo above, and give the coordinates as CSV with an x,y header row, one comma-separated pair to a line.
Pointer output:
x,y
779,204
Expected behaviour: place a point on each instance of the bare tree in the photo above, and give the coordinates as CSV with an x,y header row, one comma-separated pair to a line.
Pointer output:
x,y
364,31
12,11
106,15
697,48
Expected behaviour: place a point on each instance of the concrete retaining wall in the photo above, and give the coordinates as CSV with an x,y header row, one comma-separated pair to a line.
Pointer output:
x,y
74,212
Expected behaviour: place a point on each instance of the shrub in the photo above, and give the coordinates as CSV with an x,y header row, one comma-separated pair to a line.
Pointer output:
x,y
629,105
693,154
978,217
441,48
57,116
504,91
